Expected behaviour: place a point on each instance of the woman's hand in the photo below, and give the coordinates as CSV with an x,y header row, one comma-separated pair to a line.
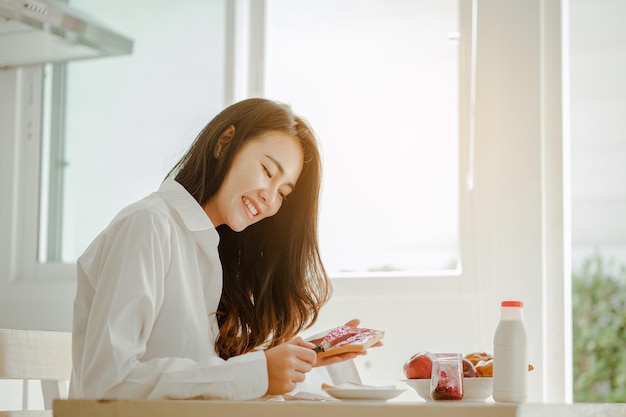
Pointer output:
x,y
353,323
287,364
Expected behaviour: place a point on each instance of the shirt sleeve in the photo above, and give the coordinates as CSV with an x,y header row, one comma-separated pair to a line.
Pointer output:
x,y
126,268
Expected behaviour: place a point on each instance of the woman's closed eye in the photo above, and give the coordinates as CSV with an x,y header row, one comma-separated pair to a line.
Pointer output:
x,y
269,175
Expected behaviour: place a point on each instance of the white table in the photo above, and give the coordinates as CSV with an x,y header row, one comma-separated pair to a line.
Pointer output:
x,y
195,408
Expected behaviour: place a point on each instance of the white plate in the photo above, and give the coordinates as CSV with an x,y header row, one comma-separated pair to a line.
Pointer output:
x,y
379,394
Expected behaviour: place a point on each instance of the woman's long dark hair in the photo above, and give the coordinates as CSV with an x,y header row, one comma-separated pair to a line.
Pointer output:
x,y
274,280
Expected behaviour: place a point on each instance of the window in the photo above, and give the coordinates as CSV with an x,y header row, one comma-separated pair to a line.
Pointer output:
x,y
384,102
379,83
385,105
125,120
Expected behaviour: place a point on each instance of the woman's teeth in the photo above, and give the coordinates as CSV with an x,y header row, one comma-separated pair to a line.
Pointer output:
x,y
250,206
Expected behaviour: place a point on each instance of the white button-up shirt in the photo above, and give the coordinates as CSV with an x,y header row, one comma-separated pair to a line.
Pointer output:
x,y
144,314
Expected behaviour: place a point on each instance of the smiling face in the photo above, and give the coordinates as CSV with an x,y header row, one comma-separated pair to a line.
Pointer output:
x,y
263,174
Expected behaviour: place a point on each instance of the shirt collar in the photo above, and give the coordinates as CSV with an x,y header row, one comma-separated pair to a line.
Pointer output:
x,y
187,207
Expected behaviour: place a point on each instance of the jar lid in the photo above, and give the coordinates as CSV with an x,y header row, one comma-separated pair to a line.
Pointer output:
x,y
511,303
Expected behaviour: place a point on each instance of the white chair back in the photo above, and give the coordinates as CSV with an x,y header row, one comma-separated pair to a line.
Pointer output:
x,y
36,355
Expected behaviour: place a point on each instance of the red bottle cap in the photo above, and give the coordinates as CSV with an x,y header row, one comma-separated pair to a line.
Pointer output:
x,y
512,304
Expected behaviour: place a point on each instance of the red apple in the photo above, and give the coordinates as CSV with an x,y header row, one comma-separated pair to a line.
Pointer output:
x,y
419,366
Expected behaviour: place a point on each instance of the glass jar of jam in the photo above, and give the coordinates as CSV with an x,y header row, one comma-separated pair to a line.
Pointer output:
x,y
446,382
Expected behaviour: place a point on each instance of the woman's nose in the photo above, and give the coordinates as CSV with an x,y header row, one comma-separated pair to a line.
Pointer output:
x,y
269,195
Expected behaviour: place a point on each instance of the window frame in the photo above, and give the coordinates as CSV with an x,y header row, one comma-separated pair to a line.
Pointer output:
x,y
246,21
30,114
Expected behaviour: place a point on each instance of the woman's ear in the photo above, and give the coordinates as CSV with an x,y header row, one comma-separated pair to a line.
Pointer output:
x,y
224,140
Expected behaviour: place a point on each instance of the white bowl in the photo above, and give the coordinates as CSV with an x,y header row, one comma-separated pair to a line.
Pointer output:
x,y
475,389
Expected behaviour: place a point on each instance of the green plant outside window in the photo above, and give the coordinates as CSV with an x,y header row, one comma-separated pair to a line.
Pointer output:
x,y
599,331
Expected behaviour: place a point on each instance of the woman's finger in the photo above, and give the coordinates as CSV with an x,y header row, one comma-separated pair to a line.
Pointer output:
x,y
298,341
353,323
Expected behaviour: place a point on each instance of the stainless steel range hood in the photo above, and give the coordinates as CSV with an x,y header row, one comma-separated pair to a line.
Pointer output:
x,y
35,32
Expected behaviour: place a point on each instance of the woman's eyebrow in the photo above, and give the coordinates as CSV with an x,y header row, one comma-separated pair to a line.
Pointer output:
x,y
280,168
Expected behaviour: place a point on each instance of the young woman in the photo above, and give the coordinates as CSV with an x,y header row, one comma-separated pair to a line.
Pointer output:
x,y
200,289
